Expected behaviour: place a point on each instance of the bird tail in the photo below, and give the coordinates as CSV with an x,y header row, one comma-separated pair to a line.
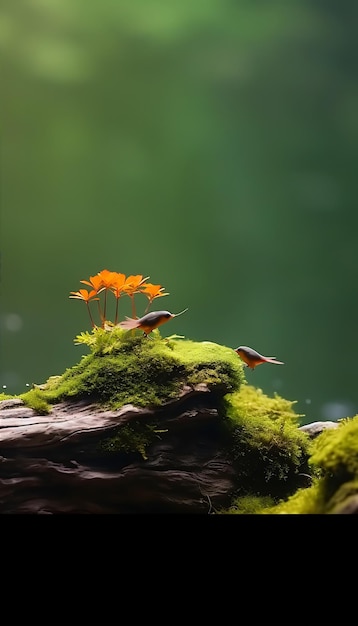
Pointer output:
x,y
272,359
129,322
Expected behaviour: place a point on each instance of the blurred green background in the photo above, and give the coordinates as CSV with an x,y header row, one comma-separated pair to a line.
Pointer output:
x,y
208,144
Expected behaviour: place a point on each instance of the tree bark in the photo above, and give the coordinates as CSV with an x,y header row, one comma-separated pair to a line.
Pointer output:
x,y
55,463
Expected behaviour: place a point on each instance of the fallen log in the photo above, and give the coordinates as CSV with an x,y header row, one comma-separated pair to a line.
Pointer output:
x,y
69,461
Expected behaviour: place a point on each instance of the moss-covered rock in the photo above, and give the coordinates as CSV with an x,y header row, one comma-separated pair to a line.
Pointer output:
x,y
336,451
306,501
261,434
268,464
270,453
145,371
334,464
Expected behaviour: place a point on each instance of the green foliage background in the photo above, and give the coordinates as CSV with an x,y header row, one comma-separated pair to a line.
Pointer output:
x,y
210,145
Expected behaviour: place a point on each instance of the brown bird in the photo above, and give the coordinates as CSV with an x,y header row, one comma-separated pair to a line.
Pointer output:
x,y
150,321
253,358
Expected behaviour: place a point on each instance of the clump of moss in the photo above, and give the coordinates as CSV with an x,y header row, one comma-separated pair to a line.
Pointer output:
x,y
334,464
268,449
210,363
335,451
345,496
125,368
304,501
249,505
253,402
133,438
335,454
5,396
36,400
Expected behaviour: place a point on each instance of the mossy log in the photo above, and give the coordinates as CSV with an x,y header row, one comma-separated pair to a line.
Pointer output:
x,y
162,426
67,462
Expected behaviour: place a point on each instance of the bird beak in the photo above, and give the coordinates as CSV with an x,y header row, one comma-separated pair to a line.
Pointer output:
x,y
176,314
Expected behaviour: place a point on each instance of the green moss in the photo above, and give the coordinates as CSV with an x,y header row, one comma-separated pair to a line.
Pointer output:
x,y
135,437
5,396
252,402
249,505
210,363
335,457
336,451
36,400
304,501
269,451
127,368
345,494
334,465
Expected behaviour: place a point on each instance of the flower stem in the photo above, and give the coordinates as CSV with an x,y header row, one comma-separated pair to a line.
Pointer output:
x,y
105,306
100,313
133,307
91,318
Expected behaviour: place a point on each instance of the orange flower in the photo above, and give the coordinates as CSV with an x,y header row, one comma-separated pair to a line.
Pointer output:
x,y
118,282
133,283
95,282
87,297
152,292
131,287
107,278
84,294
117,289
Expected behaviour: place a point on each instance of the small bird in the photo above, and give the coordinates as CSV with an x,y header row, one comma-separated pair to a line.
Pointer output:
x,y
150,321
252,358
